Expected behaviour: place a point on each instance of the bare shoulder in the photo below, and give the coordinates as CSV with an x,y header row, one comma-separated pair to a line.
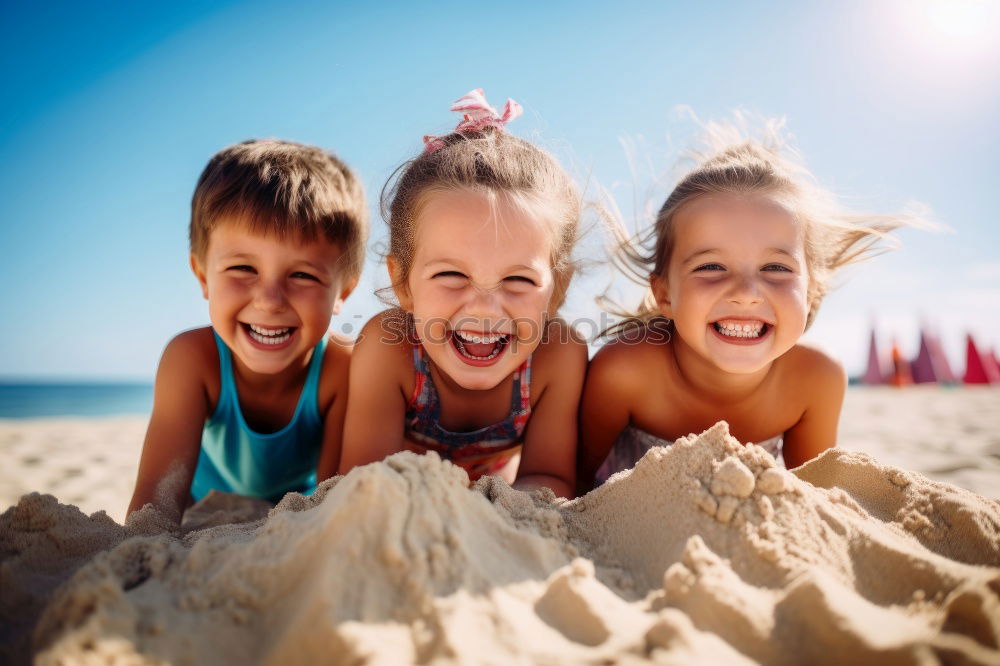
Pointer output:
x,y
811,363
813,371
389,328
562,344
628,365
193,350
336,366
559,360
815,384
384,349
338,353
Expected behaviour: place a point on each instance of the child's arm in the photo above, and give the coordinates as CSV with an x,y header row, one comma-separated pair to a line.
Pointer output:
x,y
605,409
336,373
549,453
823,382
373,424
173,438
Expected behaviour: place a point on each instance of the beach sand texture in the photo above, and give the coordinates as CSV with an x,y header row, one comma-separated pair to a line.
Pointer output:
x,y
950,435
705,552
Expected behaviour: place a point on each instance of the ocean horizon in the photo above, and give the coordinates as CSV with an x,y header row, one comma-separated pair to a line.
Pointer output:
x,y
51,399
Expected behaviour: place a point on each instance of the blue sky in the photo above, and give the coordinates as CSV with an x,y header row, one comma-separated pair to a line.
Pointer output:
x,y
111,110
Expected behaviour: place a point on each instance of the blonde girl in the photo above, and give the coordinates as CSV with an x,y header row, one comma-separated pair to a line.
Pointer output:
x,y
739,259
474,365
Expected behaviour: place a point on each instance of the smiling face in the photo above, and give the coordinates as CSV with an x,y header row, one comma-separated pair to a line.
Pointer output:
x,y
479,286
269,299
736,282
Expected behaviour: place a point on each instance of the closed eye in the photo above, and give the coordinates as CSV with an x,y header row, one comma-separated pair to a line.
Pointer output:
x,y
302,275
520,279
777,268
242,268
451,279
710,267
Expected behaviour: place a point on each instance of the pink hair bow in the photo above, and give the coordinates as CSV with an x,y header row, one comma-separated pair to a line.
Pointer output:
x,y
477,115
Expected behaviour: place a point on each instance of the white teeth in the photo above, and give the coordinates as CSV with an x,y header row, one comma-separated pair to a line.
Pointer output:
x,y
737,330
461,338
271,332
269,336
488,338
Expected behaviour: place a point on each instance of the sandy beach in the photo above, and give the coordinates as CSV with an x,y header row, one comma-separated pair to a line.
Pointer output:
x,y
886,549
947,434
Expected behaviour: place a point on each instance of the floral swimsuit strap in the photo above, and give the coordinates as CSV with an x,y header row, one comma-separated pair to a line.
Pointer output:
x,y
423,415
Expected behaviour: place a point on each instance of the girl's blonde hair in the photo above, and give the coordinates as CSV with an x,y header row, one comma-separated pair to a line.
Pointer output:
x,y
495,164
734,164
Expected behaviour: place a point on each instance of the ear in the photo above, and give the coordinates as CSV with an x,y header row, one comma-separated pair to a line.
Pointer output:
x,y
398,285
199,272
661,294
338,303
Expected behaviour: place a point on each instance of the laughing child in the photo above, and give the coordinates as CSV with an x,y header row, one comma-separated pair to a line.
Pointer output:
x,y
474,365
738,261
245,406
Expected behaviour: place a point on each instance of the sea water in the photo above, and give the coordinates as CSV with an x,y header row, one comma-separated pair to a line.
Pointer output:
x,y
46,400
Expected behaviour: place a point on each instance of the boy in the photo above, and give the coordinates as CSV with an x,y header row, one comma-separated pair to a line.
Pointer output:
x,y
278,234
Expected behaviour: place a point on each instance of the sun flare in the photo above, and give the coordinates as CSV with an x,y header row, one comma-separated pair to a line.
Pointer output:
x,y
960,24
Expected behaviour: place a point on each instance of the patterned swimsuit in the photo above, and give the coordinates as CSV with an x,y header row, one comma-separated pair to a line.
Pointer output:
x,y
480,452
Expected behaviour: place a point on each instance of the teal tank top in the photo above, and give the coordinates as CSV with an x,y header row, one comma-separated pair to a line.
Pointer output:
x,y
236,459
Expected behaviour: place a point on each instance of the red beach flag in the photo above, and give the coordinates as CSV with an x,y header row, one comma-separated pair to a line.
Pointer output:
x,y
992,366
976,370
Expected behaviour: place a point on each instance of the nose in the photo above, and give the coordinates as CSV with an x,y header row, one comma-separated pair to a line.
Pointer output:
x,y
484,304
745,290
269,296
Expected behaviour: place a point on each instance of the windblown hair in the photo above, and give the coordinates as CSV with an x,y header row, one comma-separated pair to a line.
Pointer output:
x,y
495,164
733,164
285,189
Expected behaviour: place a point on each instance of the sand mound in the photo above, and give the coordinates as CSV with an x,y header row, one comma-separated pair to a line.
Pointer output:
x,y
705,551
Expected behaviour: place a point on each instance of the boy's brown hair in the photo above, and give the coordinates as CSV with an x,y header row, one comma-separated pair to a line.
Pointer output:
x,y
286,189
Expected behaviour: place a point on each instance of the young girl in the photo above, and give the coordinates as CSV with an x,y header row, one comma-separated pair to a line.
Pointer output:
x,y
473,365
742,254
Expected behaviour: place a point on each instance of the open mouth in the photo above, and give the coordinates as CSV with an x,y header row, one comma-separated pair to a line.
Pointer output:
x,y
741,330
479,348
269,337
